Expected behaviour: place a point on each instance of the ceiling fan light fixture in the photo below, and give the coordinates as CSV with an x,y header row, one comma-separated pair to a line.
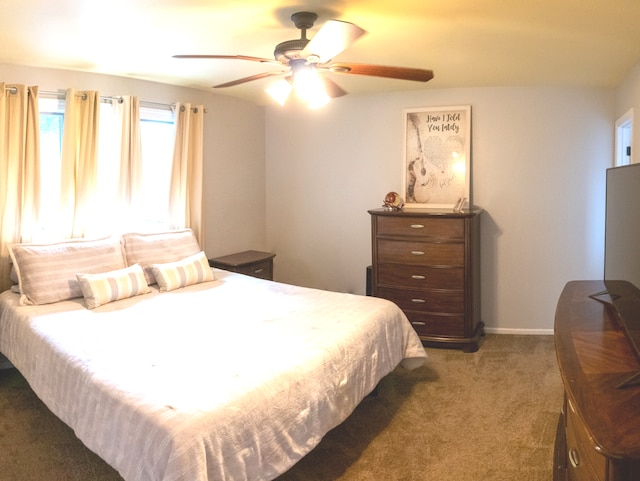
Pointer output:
x,y
280,90
309,86
319,100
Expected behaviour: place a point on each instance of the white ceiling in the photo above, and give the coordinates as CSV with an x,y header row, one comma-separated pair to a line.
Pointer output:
x,y
465,42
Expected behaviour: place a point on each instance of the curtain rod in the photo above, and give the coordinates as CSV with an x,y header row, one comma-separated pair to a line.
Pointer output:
x,y
61,95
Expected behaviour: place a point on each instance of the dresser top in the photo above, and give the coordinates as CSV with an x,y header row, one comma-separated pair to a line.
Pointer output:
x,y
594,356
415,212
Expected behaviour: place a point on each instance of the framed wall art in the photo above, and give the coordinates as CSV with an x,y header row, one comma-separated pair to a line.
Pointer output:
x,y
437,157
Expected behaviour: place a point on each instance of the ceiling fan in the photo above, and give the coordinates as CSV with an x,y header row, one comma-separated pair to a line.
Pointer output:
x,y
303,59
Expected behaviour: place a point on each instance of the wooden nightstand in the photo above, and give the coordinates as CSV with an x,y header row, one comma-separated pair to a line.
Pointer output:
x,y
253,263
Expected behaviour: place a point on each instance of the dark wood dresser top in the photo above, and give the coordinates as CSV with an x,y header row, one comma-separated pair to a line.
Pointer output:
x,y
594,356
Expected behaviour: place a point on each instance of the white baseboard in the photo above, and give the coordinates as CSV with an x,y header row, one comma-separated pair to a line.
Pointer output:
x,y
521,332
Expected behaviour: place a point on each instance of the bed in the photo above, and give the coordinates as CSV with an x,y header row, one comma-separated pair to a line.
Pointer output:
x,y
228,377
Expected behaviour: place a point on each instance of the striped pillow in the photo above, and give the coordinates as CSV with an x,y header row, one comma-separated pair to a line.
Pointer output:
x,y
158,248
99,289
191,270
47,272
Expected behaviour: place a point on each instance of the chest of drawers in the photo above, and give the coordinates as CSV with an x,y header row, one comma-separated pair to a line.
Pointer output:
x,y
428,263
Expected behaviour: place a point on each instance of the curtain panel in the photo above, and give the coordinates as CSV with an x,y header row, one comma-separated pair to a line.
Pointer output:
x,y
119,168
19,170
185,198
79,164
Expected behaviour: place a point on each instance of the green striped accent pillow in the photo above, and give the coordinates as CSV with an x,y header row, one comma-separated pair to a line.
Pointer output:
x,y
190,270
100,289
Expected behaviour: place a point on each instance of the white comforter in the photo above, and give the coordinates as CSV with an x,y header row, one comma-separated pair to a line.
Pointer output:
x,y
235,379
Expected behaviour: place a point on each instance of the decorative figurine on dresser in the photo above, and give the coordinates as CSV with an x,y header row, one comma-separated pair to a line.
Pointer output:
x,y
427,261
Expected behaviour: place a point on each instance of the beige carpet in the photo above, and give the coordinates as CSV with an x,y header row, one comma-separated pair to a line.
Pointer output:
x,y
486,416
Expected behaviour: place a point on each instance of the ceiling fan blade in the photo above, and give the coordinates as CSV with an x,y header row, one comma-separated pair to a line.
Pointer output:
x,y
332,38
401,73
232,57
248,79
332,89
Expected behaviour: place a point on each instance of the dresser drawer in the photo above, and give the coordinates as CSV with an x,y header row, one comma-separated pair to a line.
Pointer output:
x,y
422,227
584,462
434,301
421,253
428,325
420,277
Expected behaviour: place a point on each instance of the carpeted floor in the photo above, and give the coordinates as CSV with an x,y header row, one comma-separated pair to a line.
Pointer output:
x,y
486,416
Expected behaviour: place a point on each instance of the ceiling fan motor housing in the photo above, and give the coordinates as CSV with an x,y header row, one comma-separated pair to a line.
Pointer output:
x,y
290,50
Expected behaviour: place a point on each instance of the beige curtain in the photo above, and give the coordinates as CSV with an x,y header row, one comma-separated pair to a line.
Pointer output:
x,y
79,164
185,198
119,167
130,183
19,170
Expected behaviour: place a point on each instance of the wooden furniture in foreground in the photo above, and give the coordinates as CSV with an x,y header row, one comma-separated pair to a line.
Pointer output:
x,y
253,263
598,436
428,263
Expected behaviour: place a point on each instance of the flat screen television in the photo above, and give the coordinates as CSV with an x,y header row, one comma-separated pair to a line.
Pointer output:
x,y
622,253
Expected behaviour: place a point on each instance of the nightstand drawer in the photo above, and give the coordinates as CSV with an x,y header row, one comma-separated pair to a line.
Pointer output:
x,y
420,277
263,270
421,253
422,227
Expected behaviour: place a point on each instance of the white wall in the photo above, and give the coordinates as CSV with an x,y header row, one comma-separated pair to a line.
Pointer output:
x,y
234,187
538,163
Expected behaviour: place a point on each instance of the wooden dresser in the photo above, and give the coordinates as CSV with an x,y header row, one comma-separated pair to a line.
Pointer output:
x,y
598,436
428,263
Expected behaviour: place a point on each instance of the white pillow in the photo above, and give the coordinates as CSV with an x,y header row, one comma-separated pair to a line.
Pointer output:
x,y
191,270
47,272
158,248
99,289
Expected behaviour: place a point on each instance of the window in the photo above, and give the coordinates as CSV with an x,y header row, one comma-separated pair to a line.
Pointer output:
x,y
157,131
51,123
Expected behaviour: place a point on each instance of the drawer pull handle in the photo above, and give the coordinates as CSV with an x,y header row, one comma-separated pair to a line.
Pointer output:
x,y
418,323
418,278
258,271
418,301
417,253
574,458
417,226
